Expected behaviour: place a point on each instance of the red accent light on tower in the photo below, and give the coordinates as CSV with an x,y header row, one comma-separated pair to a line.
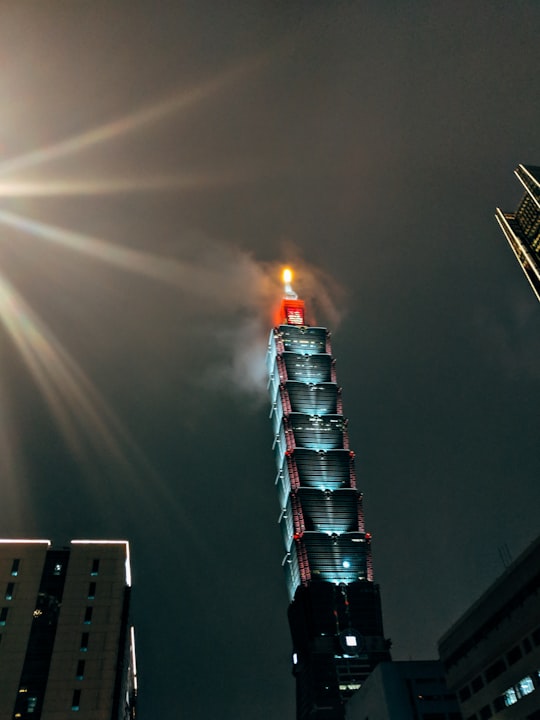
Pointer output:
x,y
292,310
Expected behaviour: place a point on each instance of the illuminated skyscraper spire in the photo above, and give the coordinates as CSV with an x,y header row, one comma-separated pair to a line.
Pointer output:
x,y
287,287
335,613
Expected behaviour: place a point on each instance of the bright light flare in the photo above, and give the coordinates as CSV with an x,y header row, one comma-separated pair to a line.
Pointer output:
x,y
287,276
88,425
128,124
117,186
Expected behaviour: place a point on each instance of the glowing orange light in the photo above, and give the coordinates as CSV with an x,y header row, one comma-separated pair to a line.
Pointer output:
x,y
287,276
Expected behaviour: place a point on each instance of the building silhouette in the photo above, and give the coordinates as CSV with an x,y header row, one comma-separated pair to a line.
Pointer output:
x,y
335,611
65,641
522,228
491,655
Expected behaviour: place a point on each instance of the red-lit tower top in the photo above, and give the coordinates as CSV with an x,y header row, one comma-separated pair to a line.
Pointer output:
x,y
292,310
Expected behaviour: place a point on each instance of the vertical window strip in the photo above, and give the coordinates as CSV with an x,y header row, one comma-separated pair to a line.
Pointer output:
x,y
76,701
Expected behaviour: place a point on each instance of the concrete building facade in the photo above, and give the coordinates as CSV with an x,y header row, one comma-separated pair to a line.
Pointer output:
x,y
66,646
404,690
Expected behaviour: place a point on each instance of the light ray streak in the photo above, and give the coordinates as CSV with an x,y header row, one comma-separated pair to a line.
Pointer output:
x,y
70,396
53,188
190,277
130,123
87,423
124,258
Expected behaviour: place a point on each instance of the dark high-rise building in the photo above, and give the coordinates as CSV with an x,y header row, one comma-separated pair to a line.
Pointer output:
x,y
522,228
66,645
335,611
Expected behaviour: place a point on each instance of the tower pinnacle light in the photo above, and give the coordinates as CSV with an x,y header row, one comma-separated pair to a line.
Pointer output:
x,y
287,276
334,613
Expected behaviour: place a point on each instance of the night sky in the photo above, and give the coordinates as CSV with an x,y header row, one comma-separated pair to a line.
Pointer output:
x,y
159,162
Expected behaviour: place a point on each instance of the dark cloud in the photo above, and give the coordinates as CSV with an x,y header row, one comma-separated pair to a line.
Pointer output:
x,y
366,145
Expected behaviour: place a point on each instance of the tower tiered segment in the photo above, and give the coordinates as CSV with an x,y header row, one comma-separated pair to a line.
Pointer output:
x,y
335,611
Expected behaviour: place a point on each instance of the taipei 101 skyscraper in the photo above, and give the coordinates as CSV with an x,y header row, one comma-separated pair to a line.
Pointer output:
x,y
335,610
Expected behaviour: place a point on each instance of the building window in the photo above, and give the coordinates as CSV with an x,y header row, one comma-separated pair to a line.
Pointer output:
x,y
31,704
76,702
495,670
79,674
477,684
88,615
536,636
91,590
9,591
485,713
527,645
525,686
84,642
95,567
15,567
465,693
513,655
3,615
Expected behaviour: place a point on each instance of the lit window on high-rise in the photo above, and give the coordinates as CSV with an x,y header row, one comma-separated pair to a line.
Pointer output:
x,y
525,686
510,697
